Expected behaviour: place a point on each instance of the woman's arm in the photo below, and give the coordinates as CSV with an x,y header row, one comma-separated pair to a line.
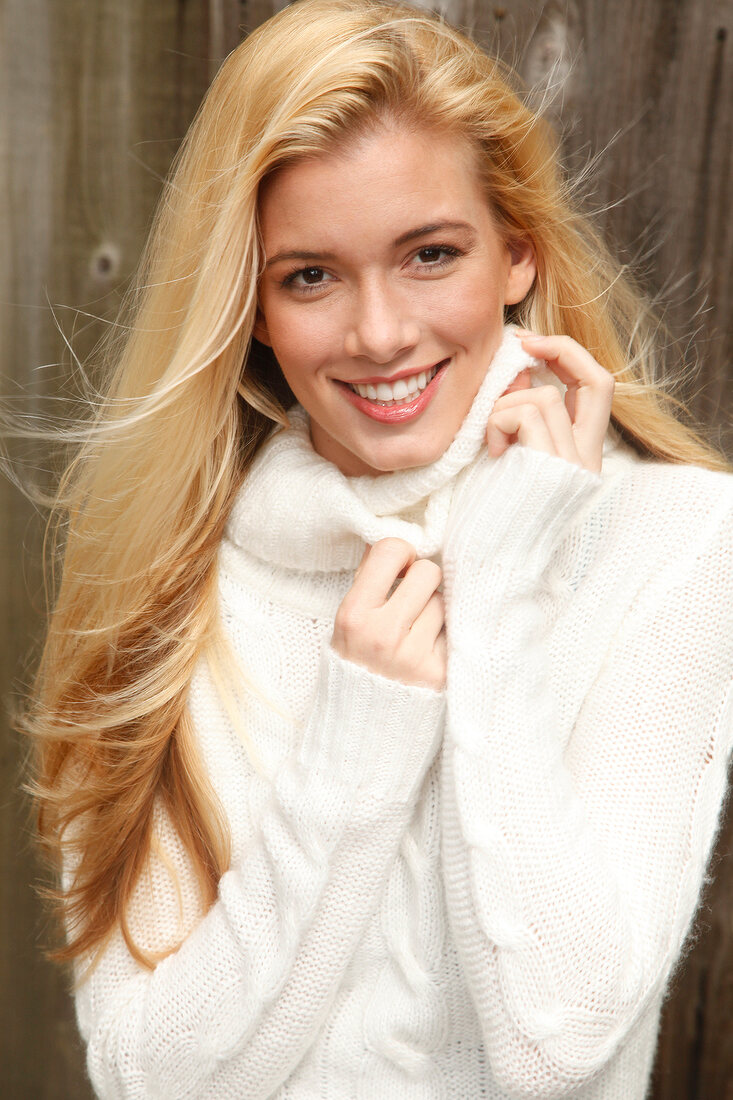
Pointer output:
x,y
234,1009
573,867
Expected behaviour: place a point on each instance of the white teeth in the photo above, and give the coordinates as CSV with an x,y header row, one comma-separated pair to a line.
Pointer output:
x,y
396,392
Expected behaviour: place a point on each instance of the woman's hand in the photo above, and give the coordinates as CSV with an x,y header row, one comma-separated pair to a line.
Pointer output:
x,y
538,417
399,635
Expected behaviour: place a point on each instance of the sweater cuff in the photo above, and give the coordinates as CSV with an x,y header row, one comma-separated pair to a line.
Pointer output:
x,y
512,511
375,735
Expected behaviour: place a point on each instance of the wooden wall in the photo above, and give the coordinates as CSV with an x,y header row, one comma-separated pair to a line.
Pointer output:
x,y
94,98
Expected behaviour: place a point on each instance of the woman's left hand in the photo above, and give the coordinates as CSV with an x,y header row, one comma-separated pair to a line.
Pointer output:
x,y
537,417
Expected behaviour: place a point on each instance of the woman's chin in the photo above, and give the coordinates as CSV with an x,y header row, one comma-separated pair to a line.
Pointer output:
x,y
411,458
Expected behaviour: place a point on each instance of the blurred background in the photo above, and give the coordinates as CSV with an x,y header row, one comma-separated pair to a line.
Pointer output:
x,y
95,97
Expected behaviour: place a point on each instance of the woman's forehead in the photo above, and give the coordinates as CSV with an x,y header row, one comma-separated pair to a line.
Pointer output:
x,y
391,172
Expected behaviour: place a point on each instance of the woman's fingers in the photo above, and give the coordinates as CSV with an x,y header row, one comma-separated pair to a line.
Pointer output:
x,y
394,631
430,622
425,644
411,597
536,418
378,570
589,393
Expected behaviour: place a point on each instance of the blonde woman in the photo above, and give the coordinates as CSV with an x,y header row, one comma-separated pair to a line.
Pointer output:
x,y
385,710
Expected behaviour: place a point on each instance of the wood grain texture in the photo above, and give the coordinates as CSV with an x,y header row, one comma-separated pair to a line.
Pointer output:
x,y
94,99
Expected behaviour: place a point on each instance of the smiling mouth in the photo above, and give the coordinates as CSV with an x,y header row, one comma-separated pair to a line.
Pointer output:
x,y
402,392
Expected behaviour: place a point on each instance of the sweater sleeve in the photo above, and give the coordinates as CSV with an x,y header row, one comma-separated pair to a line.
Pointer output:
x,y
574,859
235,1008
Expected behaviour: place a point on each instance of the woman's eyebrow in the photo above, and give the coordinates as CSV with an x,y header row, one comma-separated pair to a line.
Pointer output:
x,y
433,227
298,254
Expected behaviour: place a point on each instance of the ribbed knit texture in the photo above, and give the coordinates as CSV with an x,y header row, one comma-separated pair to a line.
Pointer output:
x,y
476,893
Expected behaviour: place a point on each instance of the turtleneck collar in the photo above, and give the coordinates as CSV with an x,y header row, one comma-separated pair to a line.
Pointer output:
x,y
298,511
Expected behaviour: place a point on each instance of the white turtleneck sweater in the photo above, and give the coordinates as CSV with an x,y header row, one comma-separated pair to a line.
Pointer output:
x,y
475,893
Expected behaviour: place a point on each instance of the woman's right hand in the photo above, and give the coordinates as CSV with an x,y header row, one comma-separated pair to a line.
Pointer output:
x,y
399,635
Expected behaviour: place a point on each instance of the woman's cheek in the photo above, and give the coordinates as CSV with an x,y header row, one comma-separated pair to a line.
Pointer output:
x,y
475,313
300,337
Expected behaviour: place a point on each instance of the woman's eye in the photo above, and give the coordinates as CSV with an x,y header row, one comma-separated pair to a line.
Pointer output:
x,y
430,255
436,256
306,277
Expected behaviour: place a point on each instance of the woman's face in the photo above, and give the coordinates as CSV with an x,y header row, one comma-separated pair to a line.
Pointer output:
x,y
383,294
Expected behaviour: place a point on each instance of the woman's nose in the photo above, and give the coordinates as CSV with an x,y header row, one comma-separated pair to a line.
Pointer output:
x,y
381,326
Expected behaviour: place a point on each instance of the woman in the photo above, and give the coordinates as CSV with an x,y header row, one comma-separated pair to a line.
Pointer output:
x,y
384,752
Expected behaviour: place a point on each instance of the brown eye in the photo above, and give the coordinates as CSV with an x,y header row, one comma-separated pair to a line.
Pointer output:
x,y
307,278
436,256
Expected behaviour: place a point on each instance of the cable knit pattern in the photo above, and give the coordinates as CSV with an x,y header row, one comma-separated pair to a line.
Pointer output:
x,y
475,893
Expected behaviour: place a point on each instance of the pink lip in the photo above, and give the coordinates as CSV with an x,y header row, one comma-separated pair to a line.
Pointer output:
x,y
397,414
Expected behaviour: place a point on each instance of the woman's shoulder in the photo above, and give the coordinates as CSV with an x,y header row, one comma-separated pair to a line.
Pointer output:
x,y
656,539
656,518
658,495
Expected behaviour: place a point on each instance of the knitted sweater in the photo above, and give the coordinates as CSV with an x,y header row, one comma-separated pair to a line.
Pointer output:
x,y
476,893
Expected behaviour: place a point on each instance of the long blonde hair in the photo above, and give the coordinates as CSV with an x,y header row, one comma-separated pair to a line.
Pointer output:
x,y
142,506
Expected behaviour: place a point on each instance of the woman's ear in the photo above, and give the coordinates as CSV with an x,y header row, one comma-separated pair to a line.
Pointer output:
x,y
260,330
522,272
